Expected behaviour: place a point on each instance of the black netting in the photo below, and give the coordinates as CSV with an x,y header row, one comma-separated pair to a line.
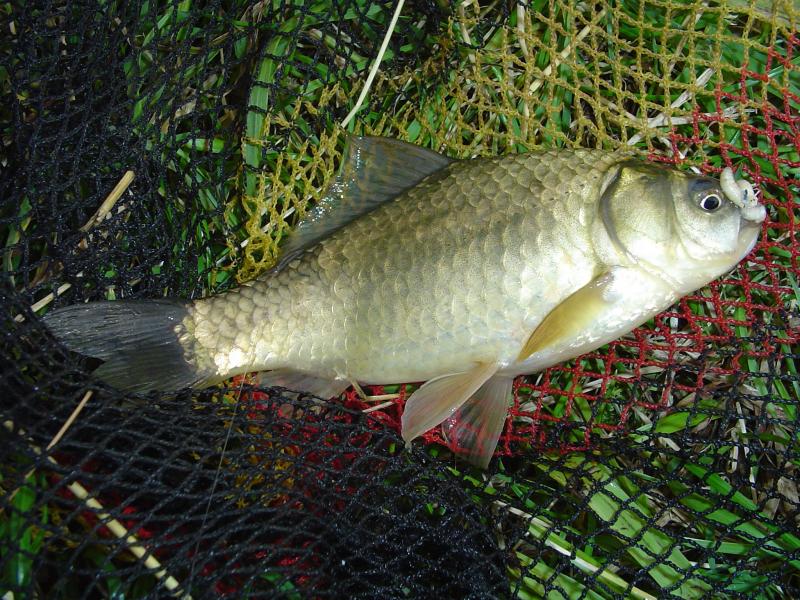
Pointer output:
x,y
245,492
307,499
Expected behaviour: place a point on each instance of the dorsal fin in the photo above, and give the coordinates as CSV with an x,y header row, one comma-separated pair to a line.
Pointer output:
x,y
374,171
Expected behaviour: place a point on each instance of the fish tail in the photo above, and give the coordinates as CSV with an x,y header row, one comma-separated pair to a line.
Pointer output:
x,y
145,344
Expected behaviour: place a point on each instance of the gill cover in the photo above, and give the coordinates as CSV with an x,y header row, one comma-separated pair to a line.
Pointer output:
x,y
636,210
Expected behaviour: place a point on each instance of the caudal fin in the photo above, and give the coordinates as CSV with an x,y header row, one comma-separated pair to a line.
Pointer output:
x,y
143,342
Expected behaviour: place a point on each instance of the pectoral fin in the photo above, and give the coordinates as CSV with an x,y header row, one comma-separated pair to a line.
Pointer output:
x,y
473,430
439,398
573,316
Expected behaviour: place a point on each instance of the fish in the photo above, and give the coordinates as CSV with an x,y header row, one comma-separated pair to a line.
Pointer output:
x,y
462,274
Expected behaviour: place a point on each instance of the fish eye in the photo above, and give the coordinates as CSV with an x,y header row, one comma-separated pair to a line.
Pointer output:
x,y
710,202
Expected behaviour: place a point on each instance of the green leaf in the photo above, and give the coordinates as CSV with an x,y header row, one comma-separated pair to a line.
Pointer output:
x,y
648,546
539,573
23,535
758,527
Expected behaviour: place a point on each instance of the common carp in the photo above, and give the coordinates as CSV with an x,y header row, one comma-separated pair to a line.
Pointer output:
x,y
461,273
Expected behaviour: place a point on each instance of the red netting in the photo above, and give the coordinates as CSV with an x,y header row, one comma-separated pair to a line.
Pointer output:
x,y
663,465
738,333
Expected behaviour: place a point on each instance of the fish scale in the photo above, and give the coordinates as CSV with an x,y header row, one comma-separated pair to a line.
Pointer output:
x,y
462,274
476,247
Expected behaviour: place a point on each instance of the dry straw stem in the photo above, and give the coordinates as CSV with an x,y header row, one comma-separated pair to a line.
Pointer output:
x,y
70,420
110,201
36,306
381,397
105,208
540,527
566,52
661,118
378,407
57,437
118,529
374,70
365,398
464,31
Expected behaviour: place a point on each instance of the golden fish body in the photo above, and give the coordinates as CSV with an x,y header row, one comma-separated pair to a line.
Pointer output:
x,y
458,270
480,271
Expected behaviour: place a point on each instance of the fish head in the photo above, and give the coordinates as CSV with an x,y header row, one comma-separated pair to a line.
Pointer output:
x,y
688,228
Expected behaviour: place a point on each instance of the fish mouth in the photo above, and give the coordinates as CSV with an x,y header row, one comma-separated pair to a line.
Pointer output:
x,y
749,228
752,213
748,236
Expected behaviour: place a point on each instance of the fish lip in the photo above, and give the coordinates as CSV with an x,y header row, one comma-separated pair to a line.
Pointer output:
x,y
722,262
749,230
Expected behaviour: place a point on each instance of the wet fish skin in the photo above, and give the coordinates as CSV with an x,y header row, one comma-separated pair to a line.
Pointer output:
x,y
483,270
448,275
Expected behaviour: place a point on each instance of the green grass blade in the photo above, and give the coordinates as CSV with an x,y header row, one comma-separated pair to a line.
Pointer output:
x,y
648,546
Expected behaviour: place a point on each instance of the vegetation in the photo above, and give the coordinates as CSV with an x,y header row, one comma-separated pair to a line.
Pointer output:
x,y
663,464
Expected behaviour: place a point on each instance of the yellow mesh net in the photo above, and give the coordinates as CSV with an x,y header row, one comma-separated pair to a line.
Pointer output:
x,y
567,74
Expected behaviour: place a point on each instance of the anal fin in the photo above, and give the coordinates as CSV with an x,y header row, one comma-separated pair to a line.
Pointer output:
x,y
474,428
439,398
